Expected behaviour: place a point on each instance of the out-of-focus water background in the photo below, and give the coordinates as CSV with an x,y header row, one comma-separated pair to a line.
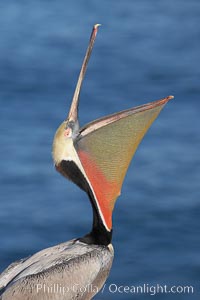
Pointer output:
x,y
144,51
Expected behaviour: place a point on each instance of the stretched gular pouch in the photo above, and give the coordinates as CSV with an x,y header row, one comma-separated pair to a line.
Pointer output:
x,y
97,156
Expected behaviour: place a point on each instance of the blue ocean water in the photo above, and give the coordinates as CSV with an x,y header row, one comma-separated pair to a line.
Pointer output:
x,y
144,51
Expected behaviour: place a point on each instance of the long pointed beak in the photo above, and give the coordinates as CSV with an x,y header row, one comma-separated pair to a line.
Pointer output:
x,y
73,113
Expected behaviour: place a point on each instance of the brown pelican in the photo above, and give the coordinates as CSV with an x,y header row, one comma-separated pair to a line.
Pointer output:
x,y
96,158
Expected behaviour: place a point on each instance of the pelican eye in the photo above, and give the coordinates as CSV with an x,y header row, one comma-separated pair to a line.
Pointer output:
x,y
67,132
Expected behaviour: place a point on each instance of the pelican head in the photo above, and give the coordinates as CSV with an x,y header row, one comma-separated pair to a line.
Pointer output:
x,y
96,156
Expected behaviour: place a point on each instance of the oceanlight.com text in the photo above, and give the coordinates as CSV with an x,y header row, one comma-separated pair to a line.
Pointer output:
x,y
149,289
